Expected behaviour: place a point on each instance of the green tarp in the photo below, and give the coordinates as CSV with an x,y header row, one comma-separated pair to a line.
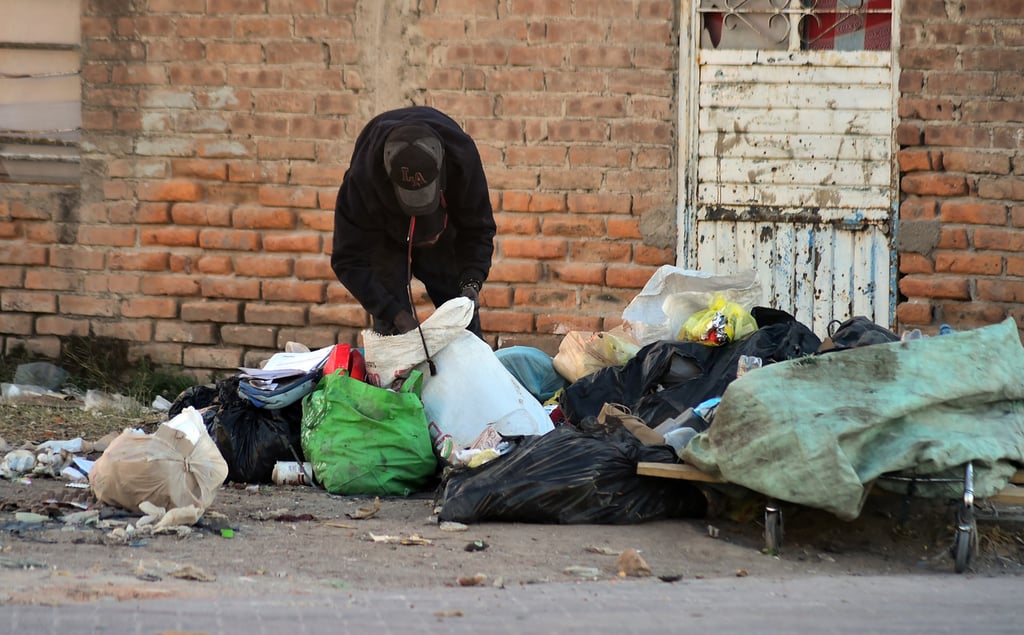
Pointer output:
x,y
817,431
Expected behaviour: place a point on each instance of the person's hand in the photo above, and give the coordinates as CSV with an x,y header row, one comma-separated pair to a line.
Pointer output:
x,y
405,322
471,292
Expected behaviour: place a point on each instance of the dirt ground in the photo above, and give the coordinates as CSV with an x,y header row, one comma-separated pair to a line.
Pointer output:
x,y
298,539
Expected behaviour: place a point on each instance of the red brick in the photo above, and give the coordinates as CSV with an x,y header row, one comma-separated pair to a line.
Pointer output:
x,y
204,214
177,331
562,323
1001,290
354,316
23,255
917,159
215,265
262,336
931,184
968,263
87,305
235,240
915,312
509,224
167,285
506,321
974,212
174,190
915,263
139,261
148,307
629,277
39,279
107,236
515,271
594,251
976,162
999,239
265,266
210,357
62,326
239,288
953,238
27,301
624,227
131,330
540,249
170,237
262,218
209,311
287,197
934,287
275,314
291,291
295,243
200,169
549,298
314,269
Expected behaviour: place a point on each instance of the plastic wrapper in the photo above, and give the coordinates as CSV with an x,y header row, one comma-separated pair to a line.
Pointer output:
x,y
581,353
571,476
719,324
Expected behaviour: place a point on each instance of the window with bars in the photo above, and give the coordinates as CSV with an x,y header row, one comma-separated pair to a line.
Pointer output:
x,y
832,25
40,91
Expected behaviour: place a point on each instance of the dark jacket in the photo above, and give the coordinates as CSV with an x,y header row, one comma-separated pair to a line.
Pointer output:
x,y
368,220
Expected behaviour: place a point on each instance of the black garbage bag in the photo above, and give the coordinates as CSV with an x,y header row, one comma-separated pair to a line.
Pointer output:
x,y
251,439
667,377
568,476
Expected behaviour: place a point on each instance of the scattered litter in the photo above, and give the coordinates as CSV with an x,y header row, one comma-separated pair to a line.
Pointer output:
x,y
30,517
742,573
414,539
582,572
604,551
713,531
472,580
451,525
294,518
675,577
366,512
334,523
476,545
449,613
192,572
631,564
227,533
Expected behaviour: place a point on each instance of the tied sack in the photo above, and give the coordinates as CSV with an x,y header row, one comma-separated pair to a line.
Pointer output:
x,y
177,466
362,439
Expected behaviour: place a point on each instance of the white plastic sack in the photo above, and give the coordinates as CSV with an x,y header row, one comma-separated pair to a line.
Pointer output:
x,y
472,391
390,358
673,294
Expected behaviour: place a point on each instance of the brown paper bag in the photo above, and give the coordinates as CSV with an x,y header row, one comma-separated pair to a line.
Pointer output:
x,y
164,468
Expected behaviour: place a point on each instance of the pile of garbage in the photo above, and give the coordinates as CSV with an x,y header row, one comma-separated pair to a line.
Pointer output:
x,y
515,434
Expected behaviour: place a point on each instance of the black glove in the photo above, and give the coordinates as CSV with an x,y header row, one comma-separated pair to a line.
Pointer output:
x,y
471,290
405,322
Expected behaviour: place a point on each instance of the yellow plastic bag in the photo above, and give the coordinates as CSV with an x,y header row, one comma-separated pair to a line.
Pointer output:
x,y
721,323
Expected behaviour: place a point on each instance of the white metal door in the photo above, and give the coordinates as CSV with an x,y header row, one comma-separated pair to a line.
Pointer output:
x,y
787,151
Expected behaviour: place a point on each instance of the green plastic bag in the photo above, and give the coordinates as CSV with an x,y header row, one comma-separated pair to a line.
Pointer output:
x,y
362,439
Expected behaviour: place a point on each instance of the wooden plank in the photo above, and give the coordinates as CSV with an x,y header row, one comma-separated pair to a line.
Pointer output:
x,y
781,145
842,59
680,471
871,203
725,74
738,119
1009,495
802,96
823,172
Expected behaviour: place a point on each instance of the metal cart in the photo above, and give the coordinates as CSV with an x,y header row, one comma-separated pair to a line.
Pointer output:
x,y
965,534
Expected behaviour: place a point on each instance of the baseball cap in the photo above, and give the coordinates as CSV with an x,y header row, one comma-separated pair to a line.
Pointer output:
x,y
413,155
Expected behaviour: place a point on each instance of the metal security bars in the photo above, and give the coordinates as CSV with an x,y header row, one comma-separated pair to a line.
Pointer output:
x,y
795,25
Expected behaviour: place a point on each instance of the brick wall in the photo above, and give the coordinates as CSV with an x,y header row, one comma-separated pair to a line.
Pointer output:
x,y
961,225
216,133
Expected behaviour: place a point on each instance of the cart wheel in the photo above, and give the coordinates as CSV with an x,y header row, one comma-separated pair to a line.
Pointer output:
x,y
772,529
963,543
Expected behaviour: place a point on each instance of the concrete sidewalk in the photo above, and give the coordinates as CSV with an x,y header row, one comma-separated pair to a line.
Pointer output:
x,y
899,604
